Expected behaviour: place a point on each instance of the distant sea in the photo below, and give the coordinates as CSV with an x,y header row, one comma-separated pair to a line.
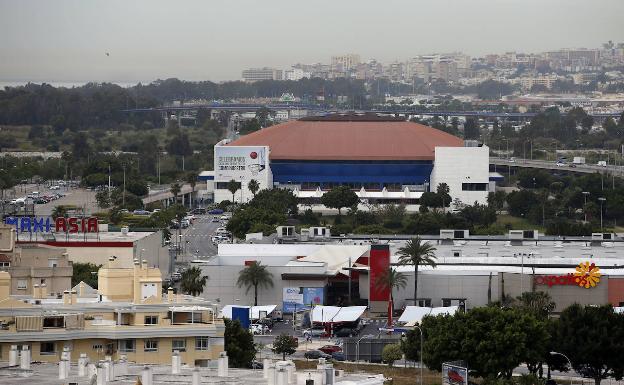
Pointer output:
x,y
60,84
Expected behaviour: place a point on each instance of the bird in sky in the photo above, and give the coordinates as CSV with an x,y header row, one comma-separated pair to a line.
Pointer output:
x,y
107,54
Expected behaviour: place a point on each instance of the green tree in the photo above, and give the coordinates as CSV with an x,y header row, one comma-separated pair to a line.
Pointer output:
x,y
443,191
593,339
390,279
410,345
59,211
175,189
391,353
255,275
85,272
339,197
103,199
239,344
471,129
285,344
233,187
417,253
253,186
192,282
537,303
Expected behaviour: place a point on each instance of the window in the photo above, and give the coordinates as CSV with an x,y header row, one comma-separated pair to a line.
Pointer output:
x,y
97,347
425,302
202,343
52,262
5,264
47,348
127,346
224,185
150,346
22,284
474,186
54,322
179,345
446,302
151,320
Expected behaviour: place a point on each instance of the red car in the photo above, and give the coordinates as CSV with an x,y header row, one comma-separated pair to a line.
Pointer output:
x,y
329,349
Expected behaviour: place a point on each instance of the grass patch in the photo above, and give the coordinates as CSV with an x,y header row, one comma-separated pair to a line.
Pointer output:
x,y
517,223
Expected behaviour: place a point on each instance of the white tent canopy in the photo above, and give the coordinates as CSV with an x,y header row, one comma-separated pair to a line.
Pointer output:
x,y
337,314
185,309
226,312
415,314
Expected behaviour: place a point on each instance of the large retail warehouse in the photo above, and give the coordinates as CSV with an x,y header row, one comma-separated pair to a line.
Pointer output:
x,y
384,159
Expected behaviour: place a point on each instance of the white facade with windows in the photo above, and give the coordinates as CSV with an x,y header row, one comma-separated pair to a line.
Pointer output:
x,y
240,164
465,170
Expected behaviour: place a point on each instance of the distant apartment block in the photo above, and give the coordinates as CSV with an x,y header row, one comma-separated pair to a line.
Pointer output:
x,y
295,74
265,73
345,63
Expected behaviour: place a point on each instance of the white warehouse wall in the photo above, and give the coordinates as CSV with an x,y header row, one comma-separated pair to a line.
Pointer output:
x,y
457,165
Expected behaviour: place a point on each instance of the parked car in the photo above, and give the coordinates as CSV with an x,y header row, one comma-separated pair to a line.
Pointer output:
x,y
215,212
256,365
141,212
329,349
338,356
315,332
346,332
257,329
215,219
316,354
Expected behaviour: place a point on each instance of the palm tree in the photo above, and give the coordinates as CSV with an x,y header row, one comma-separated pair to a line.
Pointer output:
x,y
255,275
391,279
193,282
253,186
233,187
191,179
415,252
175,190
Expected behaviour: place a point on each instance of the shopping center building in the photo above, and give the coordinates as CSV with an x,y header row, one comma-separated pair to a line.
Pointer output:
x,y
383,159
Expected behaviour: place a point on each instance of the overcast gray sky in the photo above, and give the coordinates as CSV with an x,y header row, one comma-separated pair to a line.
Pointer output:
x,y
66,40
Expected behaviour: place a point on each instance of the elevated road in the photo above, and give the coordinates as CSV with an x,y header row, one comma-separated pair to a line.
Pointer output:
x,y
548,165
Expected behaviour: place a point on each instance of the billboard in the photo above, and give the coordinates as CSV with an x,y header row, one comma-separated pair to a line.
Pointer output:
x,y
379,261
242,315
301,298
454,374
246,162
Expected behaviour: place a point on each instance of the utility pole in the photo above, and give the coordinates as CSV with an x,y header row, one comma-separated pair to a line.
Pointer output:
x,y
123,195
601,199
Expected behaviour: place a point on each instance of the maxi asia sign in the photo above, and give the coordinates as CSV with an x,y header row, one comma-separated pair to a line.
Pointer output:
x,y
59,225
587,275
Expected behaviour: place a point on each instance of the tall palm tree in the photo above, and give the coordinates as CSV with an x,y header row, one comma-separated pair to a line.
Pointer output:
x,y
175,190
232,186
193,282
253,186
391,279
191,179
415,252
255,275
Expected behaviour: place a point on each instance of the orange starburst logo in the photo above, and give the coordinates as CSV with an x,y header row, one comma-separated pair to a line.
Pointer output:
x,y
587,275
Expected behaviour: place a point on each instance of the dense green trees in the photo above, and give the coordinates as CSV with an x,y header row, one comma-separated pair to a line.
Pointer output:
x,y
85,272
239,344
285,344
339,197
193,282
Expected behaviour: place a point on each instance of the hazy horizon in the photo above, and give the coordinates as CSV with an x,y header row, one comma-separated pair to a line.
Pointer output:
x,y
66,41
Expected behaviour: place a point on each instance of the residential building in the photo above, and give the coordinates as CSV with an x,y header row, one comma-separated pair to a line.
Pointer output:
x,y
127,316
265,73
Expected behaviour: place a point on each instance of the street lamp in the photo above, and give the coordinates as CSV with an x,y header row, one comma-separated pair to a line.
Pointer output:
x,y
421,353
585,194
566,357
601,199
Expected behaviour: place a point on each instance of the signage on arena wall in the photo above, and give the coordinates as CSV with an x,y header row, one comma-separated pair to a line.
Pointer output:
x,y
587,275
60,225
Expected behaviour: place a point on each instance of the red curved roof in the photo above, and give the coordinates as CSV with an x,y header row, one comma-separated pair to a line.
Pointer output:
x,y
350,140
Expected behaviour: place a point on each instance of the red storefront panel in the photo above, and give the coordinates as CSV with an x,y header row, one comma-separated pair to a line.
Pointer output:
x,y
379,261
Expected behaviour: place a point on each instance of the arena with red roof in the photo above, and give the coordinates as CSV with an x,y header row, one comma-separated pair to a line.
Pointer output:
x,y
385,159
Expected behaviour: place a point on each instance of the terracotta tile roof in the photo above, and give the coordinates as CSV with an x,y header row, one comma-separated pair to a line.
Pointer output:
x,y
5,258
350,140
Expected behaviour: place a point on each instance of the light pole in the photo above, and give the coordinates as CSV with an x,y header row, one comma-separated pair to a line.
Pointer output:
x,y
601,199
421,353
585,194
566,357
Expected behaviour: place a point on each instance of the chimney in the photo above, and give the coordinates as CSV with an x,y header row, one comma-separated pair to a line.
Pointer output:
x,y
170,295
13,355
100,374
83,361
222,368
74,297
147,376
136,283
144,264
196,376
25,358
176,362
66,297
111,262
271,374
36,291
44,290
62,369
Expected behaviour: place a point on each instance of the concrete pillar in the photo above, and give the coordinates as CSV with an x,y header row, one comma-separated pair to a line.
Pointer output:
x,y
111,371
222,365
62,369
66,355
25,358
176,362
281,376
329,374
91,371
196,376
121,367
106,366
13,355
271,374
83,361
290,368
147,376
265,368
101,375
